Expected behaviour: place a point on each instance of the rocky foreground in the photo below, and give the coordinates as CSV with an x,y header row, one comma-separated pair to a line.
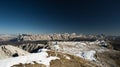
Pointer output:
x,y
78,51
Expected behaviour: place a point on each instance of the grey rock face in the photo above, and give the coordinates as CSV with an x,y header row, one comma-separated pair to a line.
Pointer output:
x,y
9,50
30,37
30,47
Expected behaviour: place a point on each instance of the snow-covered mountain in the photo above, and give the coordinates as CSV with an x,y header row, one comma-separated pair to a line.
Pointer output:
x,y
53,37
61,50
46,58
58,37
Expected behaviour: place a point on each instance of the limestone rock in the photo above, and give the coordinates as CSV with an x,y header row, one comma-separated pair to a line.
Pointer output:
x,y
9,50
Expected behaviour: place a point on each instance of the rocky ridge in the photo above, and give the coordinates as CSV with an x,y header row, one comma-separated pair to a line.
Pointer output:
x,y
7,51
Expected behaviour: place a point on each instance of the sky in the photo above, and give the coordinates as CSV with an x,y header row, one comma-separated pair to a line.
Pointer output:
x,y
60,16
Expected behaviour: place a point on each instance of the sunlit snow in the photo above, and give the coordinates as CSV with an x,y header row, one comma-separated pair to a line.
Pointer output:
x,y
41,58
87,55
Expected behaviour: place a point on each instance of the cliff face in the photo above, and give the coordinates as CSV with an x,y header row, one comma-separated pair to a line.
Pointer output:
x,y
26,37
33,48
43,37
53,37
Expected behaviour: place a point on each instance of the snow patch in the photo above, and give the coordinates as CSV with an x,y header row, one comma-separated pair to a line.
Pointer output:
x,y
42,50
103,43
56,47
89,55
41,58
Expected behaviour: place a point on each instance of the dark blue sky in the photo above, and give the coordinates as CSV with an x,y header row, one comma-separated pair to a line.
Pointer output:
x,y
50,16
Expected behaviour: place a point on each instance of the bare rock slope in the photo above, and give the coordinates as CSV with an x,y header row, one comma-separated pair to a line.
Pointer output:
x,y
7,51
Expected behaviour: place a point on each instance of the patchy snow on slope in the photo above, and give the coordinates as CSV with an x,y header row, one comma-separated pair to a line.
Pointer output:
x,y
41,58
56,47
89,55
83,49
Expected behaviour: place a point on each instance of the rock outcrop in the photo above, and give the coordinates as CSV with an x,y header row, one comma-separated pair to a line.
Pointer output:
x,y
7,51
32,48
55,37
